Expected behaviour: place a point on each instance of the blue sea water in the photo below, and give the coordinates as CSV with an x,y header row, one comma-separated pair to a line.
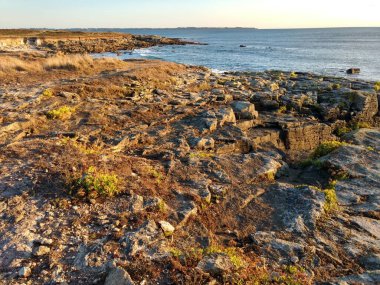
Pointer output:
x,y
323,51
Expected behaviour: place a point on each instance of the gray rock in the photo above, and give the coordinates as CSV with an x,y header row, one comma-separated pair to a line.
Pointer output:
x,y
371,262
369,277
361,194
364,137
295,209
216,264
118,276
244,110
140,239
24,272
202,143
278,248
356,161
137,203
167,228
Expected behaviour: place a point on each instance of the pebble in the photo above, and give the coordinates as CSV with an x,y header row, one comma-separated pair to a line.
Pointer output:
x,y
24,272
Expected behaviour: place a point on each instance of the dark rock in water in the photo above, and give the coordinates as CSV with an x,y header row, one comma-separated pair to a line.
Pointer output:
x,y
353,70
243,46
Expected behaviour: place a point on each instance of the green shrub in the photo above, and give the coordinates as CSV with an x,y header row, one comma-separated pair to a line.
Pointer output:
x,y
60,113
93,184
361,125
200,155
377,86
282,110
342,131
233,254
326,147
48,93
331,200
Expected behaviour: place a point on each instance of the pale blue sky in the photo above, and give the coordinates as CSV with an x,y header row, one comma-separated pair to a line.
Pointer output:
x,y
180,13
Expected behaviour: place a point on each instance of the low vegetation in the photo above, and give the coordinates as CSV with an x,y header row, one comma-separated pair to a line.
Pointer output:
x,y
326,147
200,155
352,127
68,62
93,183
48,93
331,200
377,86
61,113
11,64
82,147
199,87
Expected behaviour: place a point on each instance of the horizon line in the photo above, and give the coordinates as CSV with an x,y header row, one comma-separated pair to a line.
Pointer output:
x,y
189,27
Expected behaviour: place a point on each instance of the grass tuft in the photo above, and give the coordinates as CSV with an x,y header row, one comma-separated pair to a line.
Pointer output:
x,y
93,184
377,86
327,147
61,113
48,93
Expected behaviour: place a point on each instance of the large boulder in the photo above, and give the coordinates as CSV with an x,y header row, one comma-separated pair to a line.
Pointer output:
x,y
244,110
348,104
307,136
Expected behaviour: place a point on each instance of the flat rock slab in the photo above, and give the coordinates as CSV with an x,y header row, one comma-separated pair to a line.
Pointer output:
x,y
361,194
252,167
295,209
357,161
365,137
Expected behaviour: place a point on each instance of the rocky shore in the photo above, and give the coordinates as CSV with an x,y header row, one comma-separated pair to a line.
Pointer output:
x,y
149,172
80,42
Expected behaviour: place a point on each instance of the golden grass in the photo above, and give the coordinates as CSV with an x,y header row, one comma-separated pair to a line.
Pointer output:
x,y
68,62
10,64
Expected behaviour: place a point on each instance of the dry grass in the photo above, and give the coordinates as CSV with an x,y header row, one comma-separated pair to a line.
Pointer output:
x,y
10,64
68,62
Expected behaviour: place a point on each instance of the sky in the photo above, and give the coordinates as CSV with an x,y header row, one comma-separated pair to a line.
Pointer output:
x,y
184,13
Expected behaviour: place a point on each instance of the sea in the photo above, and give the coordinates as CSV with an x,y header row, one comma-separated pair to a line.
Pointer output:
x,y
328,51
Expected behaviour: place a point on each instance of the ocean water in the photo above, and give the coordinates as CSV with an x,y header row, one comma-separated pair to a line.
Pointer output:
x,y
323,51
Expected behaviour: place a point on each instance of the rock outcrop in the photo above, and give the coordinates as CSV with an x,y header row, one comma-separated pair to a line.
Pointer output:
x,y
176,175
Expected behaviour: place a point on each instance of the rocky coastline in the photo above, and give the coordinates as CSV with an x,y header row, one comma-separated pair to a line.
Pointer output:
x,y
150,172
80,42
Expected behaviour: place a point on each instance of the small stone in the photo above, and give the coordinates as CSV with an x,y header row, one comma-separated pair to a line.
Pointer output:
x,y
24,272
167,228
216,264
294,259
